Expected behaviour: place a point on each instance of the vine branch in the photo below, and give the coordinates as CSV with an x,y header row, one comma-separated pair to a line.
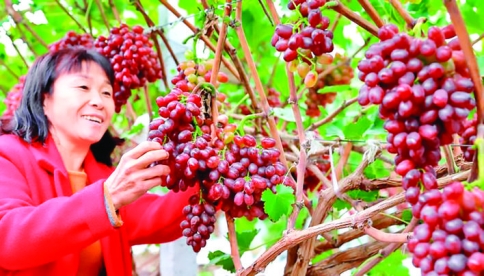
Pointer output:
x,y
386,251
71,16
8,69
331,116
234,247
258,83
464,40
150,23
354,17
397,5
372,13
203,37
103,15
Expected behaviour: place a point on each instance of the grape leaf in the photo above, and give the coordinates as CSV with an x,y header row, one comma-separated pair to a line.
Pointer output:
x,y
278,204
407,215
220,258
244,239
356,130
391,265
341,205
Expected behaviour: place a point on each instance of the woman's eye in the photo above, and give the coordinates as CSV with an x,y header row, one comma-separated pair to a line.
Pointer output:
x,y
84,87
107,93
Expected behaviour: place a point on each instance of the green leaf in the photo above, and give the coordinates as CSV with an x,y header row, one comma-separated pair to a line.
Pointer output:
x,y
301,218
220,258
391,265
356,130
136,129
278,204
407,215
364,195
341,205
244,239
376,169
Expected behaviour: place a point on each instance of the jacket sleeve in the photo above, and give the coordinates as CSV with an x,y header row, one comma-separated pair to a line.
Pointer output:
x,y
32,235
154,218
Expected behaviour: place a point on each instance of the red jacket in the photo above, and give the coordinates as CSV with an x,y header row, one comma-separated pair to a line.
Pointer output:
x,y
43,226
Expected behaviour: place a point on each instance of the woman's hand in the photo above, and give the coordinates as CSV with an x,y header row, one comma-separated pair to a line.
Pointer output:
x,y
134,176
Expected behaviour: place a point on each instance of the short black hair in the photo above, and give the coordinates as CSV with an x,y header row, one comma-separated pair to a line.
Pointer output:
x,y
30,122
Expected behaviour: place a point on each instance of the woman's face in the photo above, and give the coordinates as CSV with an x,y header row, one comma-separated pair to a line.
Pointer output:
x,y
81,105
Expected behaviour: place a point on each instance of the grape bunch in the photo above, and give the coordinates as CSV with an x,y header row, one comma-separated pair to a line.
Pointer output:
x,y
247,169
132,58
174,129
339,76
450,240
231,171
423,92
71,40
305,40
467,138
191,73
13,98
199,223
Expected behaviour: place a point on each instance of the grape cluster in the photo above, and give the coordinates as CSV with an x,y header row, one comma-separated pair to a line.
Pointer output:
x,y
422,92
231,171
307,39
198,223
190,74
132,58
247,170
71,40
450,241
174,129
467,138
13,98
339,76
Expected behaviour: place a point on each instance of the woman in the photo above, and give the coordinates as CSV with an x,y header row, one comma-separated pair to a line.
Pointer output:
x,y
63,209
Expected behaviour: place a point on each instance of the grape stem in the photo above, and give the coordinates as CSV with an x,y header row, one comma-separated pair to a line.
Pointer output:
x,y
386,251
203,37
403,13
216,64
449,159
103,15
258,83
71,16
465,43
115,11
354,17
331,116
131,113
478,39
372,12
241,124
293,100
19,20
159,53
149,109
234,247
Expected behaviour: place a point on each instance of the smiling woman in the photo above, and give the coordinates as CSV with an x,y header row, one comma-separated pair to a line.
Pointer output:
x,y
63,209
